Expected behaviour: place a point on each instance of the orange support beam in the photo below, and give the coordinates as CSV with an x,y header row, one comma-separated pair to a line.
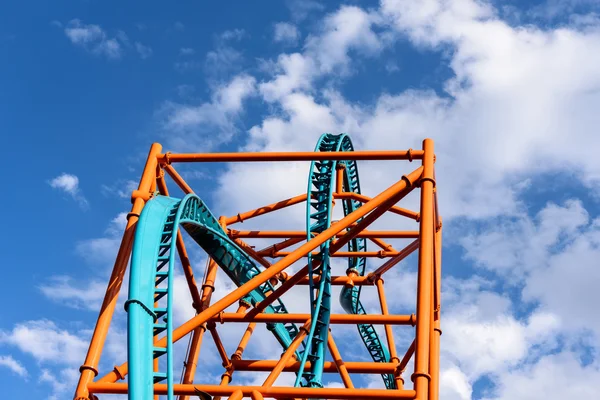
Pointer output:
x,y
89,369
274,260
337,358
374,208
302,234
291,156
265,210
287,355
421,375
362,198
266,392
329,367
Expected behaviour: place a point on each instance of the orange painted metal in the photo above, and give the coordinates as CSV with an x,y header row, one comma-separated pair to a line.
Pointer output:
x,y
287,355
337,358
267,392
243,342
237,395
346,254
421,375
89,369
383,244
388,331
178,179
208,288
407,251
254,395
407,356
266,209
252,253
362,198
270,250
343,319
374,208
339,177
220,348
302,234
340,280
290,156
425,347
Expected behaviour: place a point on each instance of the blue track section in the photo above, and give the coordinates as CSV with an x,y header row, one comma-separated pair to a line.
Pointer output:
x,y
150,286
318,218
320,187
151,280
350,297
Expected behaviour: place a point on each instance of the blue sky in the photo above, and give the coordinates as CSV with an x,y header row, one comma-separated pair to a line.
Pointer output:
x,y
508,90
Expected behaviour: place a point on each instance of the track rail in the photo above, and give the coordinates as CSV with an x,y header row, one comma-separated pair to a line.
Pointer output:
x,y
154,244
151,289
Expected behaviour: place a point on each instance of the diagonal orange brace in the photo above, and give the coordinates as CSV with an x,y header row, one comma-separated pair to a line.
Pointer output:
x,y
379,203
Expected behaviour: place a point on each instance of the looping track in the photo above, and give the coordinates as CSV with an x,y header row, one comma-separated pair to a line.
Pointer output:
x,y
151,289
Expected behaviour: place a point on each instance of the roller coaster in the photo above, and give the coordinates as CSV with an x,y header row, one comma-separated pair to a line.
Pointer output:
x,y
153,239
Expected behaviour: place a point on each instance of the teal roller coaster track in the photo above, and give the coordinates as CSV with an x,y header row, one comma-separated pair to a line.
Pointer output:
x,y
152,264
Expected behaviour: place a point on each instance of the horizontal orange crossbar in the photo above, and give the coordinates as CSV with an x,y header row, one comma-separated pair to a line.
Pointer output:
x,y
292,156
348,254
302,234
362,198
328,366
340,280
335,318
267,392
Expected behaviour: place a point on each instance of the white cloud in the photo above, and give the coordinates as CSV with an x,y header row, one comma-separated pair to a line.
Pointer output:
x,y
69,184
222,58
520,383
103,250
520,97
349,29
93,38
519,100
121,188
454,384
15,366
46,342
86,295
62,382
300,9
143,51
210,123
286,33
186,51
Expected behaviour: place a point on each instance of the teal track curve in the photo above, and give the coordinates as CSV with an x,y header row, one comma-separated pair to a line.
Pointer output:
x,y
149,305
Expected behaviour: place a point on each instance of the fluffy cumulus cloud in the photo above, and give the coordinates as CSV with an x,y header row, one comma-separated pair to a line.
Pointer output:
x,y
286,33
13,365
210,123
46,342
69,184
94,39
519,97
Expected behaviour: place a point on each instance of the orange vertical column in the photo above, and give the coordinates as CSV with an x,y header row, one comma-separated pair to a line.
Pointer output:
x,y
90,367
421,375
434,361
389,333
197,334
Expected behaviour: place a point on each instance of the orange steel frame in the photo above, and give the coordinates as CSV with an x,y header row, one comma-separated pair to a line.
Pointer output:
x,y
427,240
